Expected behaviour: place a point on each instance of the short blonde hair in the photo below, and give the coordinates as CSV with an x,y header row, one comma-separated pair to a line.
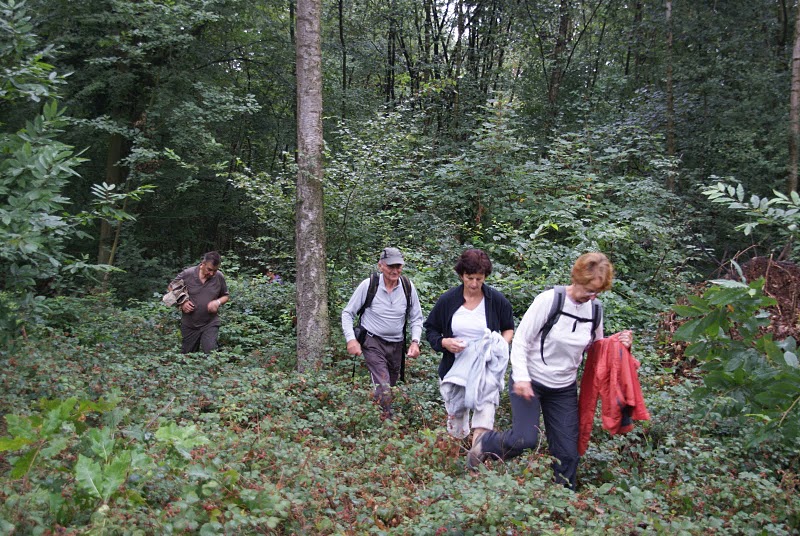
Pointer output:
x,y
591,266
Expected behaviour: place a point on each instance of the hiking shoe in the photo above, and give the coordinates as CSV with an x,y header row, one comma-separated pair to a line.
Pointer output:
x,y
475,455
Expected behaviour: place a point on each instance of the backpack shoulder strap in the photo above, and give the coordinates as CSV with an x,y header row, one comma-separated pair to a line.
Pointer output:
x,y
597,315
406,282
559,292
371,290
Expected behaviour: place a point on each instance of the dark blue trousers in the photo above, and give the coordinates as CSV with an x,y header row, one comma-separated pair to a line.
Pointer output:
x,y
559,407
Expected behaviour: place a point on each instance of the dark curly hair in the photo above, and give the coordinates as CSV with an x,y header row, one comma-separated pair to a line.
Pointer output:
x,y
474,261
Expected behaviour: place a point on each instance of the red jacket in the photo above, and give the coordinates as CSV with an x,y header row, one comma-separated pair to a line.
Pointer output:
x,y
610,373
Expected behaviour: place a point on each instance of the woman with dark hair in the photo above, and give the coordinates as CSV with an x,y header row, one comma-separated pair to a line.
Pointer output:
x,y
544,372
471,325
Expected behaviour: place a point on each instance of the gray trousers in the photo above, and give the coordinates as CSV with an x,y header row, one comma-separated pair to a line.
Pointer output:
x,y
559,407
196,339
383,360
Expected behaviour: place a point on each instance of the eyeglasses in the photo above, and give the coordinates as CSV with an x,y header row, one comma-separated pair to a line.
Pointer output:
x,y
592,293
394,266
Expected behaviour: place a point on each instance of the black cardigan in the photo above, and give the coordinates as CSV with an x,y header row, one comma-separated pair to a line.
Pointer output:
x,y
499,317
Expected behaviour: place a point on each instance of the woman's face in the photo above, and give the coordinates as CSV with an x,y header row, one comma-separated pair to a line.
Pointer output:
x,y
473,282
584,293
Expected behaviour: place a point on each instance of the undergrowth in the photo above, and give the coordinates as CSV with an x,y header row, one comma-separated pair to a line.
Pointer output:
x,y
108,429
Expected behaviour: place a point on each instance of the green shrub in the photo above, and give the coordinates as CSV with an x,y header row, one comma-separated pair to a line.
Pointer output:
x,y
747,375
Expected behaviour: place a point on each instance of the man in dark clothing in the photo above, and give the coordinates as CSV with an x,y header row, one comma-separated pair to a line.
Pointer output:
x,y
207,292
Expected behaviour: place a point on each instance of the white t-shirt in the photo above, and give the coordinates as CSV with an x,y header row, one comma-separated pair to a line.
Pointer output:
x,y
469,325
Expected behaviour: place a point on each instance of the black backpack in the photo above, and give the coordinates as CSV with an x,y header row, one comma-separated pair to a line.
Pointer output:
x,y
361,333
556,311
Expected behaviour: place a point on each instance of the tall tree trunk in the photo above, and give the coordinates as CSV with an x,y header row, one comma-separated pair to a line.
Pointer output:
x,y
559,61
343,44
458,60
670,97
391,56
634,45
794,109
559,53
313,329
114,175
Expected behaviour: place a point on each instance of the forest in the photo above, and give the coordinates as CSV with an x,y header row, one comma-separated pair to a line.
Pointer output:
x,y
301,137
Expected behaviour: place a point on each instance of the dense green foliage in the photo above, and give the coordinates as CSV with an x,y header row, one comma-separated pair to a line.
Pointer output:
x,y
534,130
109,430
748,374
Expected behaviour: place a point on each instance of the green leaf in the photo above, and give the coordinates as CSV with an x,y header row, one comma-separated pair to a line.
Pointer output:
x,y
20,427
687,311
89,476
690,330
55,447
734,362
101,442
13,443
24,464
114,474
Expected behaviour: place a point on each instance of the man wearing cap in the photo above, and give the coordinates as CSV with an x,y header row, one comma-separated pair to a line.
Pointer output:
x,y
384,321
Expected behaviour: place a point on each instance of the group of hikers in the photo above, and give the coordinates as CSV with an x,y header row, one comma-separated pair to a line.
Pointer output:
x,y
472,326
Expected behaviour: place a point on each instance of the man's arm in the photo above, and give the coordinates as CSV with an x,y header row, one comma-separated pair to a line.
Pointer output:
x,y
350,311
214,305
415,319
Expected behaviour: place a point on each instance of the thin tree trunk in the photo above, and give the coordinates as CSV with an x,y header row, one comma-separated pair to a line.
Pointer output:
x,y
557,74
313,328
114,176
458,61
794,109
391,56
670,97
344,58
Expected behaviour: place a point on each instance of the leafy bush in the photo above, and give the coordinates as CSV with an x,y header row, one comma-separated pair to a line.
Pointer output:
x,y
783,223
747,375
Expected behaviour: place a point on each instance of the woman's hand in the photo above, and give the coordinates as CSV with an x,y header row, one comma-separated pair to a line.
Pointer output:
x,y
626,338
453,345
524,390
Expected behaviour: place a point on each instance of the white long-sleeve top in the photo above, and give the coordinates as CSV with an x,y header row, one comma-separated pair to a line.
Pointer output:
x,y
563,347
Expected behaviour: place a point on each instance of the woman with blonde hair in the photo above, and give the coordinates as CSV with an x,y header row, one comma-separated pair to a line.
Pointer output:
x,y
544,370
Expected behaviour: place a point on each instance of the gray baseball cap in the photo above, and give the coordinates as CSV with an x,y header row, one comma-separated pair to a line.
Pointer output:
x,y
391,256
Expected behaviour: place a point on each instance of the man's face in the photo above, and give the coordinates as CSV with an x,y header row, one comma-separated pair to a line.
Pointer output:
x,y
391,272
208,270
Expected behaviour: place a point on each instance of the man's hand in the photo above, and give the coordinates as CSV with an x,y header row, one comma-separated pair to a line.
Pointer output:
x,y
413,350
187,306
353,347
213,306
524,390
